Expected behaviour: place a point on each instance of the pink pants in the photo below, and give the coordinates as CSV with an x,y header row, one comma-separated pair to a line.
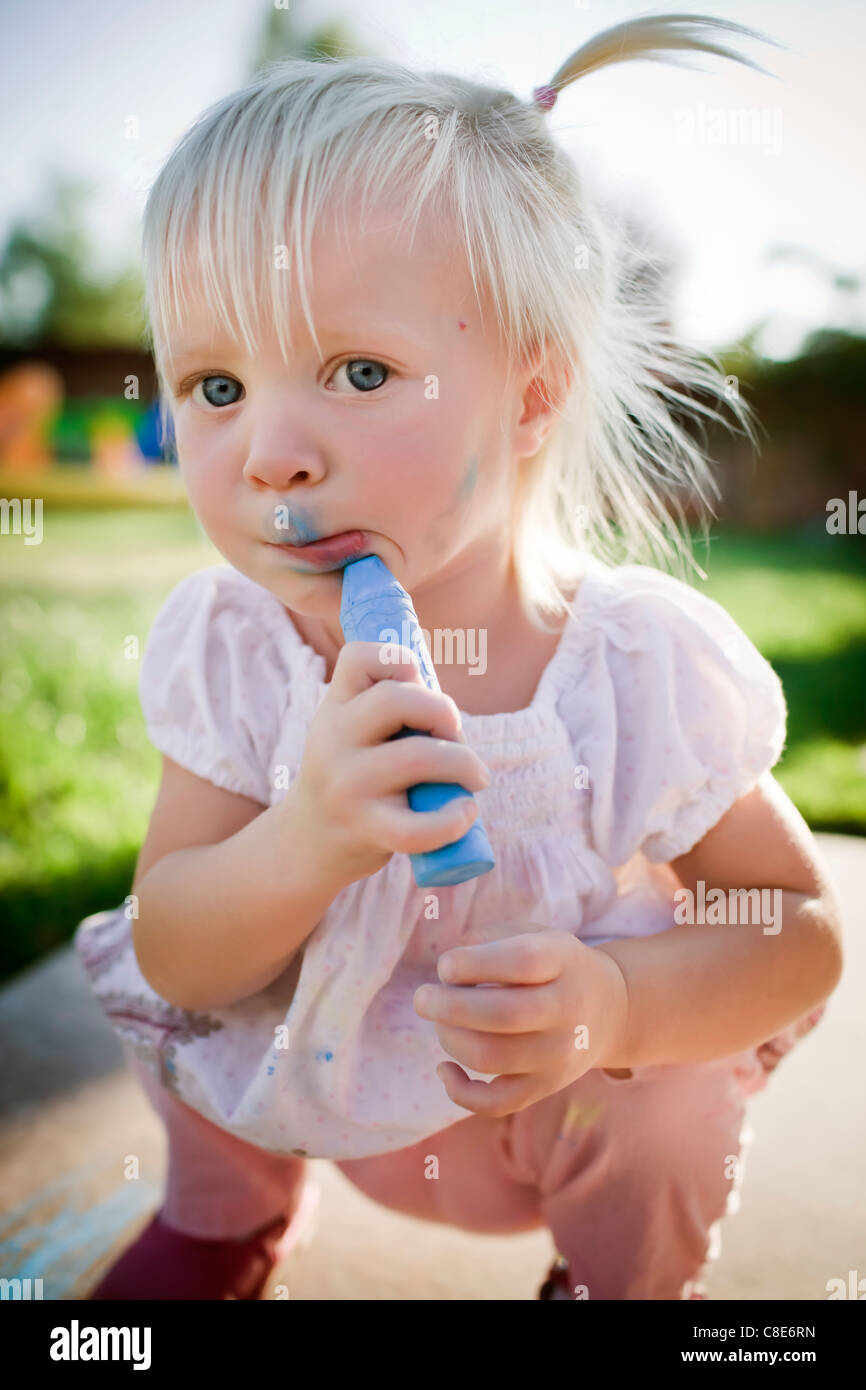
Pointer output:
x,y
631,1175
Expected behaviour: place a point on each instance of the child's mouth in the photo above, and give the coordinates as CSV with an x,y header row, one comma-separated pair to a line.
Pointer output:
x,y
328,553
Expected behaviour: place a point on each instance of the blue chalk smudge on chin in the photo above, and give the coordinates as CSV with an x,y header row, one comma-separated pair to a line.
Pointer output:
x,y
324,1056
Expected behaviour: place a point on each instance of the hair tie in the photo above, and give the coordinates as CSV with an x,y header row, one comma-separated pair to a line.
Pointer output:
x,y
545,97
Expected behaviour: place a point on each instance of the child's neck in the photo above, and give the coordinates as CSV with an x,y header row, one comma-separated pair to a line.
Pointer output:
x,y
516,656
491,665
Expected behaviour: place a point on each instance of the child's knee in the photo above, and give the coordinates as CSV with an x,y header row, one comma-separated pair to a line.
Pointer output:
x,y
661,1121
675,1116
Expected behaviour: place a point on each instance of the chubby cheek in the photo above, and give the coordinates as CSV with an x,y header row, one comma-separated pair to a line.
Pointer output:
x,y
432,512
473,502
432,474
206,473
409,473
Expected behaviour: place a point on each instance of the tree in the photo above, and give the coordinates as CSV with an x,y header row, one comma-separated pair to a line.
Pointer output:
x,y
49,289
281,36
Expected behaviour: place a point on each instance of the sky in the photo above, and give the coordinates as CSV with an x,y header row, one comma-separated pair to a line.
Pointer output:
x,y
666,139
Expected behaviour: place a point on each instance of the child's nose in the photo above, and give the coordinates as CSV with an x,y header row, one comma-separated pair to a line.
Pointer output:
x,y
278,463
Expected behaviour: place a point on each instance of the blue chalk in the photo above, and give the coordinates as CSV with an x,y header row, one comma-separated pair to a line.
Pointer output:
x,y
373,603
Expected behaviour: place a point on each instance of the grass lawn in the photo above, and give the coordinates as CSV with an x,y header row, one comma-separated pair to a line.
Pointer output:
x,y
79,776
802,600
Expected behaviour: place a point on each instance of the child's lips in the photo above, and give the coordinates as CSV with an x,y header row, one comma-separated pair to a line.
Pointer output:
x,y
330,550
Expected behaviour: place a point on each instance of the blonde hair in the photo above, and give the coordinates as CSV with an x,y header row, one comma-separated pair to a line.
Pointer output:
x,y
615,472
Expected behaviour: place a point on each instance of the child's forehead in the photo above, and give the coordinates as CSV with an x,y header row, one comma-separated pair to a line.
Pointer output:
x,y
358,272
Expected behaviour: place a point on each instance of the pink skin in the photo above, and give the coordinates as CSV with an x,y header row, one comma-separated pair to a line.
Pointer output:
x,y
428,481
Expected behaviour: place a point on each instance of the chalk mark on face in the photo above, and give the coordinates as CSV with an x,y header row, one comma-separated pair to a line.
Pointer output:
x,y
470,478
440,531
291,526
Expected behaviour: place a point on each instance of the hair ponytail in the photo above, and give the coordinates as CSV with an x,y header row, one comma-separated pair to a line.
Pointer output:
x,y
655,38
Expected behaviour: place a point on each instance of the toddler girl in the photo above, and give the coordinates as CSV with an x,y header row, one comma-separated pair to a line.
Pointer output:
x,y
388,318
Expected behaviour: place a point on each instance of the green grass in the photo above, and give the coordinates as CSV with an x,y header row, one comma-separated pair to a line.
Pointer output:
x,y
78,776
802,600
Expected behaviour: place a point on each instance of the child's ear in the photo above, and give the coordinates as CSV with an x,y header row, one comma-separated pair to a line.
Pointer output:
x,y
545,391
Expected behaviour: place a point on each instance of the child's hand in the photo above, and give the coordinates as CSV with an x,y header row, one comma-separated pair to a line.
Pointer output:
x,y
349,798
563,1010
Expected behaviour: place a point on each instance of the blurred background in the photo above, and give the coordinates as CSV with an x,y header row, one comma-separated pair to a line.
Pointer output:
x,y
749,193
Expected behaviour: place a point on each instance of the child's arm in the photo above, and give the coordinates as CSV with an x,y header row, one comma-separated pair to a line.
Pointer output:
x,y
227,891
700,992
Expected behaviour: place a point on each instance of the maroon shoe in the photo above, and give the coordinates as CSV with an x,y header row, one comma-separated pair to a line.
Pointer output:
x,y
557,1285
166,1264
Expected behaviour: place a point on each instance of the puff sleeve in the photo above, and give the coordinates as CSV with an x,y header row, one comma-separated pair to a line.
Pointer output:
x,y
686,714
210,686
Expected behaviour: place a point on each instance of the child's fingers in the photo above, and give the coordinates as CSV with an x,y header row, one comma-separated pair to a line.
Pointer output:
x,y
528,959
419,832
504,1095
385,708
360,665
491,1008
394,767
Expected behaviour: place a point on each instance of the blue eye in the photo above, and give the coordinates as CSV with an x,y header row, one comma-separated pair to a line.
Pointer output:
x,y
218,390
364,373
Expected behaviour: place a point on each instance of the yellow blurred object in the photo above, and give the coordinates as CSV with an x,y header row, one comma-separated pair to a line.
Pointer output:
x,y
114,448
81,486
31,396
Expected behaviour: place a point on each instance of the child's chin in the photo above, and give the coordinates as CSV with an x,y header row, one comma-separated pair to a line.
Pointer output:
x,y
312,595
